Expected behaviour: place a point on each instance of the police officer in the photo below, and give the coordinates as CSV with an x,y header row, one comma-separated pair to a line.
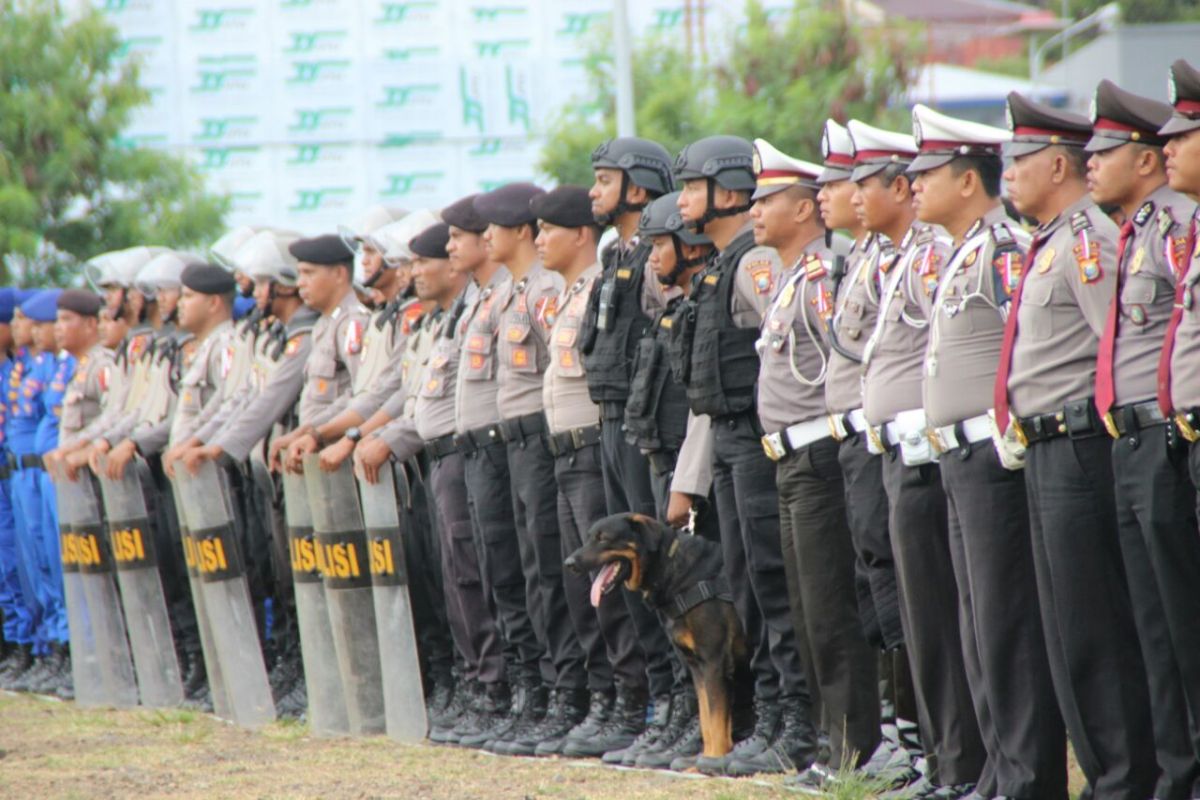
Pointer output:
x,y
431,427
566,244
558,602
856,308
732,294
677,446
629,172
1046,372
817,551
16,633
1156,519
892,403
957,186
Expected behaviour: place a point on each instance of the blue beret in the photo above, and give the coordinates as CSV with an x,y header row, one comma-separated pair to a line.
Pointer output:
x,y
21,295
242,306
8,297
43,306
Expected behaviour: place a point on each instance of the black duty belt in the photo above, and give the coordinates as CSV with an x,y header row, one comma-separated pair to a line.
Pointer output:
x,y
1130,419
441,447
6,469
28,461
662,461
1078,419
567,442
518,429
610,410
478,438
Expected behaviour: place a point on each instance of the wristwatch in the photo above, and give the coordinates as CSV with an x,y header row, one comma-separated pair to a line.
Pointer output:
x,y
353,434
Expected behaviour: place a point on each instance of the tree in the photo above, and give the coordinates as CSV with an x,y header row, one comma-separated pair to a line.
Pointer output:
x,y
69,187
779,77
1137,12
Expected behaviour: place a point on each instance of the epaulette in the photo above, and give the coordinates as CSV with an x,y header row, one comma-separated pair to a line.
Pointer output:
x,y
1166,220
1003,237
1143,213
974,229
814,267
1080,221
908,237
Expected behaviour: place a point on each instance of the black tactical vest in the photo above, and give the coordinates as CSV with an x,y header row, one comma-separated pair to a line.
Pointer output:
x,y
657,409
723,367
619,324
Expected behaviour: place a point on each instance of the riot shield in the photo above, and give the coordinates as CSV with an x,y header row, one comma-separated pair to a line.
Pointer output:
x,y
101,667
342,559
212,665
132,541
209,509
403,692
322,678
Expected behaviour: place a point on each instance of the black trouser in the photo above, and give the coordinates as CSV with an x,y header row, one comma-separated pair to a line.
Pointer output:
x,y
253,537
265,504
1003,646
748,507
423,563
490,495
627,488
867,515
819,560
1156,523
172,568
535,512
1087,618
929,606
581,503
470,614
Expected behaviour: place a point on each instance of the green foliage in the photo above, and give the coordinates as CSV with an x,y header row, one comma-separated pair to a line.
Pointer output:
x,y
779,77
1137,12
69,187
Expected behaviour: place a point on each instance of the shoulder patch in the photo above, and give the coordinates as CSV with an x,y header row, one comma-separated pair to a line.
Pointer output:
x,y
1080,222
760,272
354,337
814,267
293,345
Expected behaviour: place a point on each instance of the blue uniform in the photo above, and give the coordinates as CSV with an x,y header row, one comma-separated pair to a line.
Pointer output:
x,y
45,441
16,592
24,414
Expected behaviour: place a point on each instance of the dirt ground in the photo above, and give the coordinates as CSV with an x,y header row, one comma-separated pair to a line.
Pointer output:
x,y
50,749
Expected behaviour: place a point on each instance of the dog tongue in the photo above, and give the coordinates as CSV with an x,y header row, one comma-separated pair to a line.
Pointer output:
x,y
607,574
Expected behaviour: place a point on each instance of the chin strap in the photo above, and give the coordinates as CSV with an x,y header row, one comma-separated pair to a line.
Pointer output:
x,y
711,212
622,207
682,264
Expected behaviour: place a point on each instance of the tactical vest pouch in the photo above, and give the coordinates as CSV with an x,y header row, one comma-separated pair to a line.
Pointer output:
x,y
679,352
587,326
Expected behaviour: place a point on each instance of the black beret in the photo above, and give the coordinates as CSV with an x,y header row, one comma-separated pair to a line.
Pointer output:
x,y
81,301
208,279
1185,96
431,242
463,215
1035,127
508,206
1120,117
328,250
566,206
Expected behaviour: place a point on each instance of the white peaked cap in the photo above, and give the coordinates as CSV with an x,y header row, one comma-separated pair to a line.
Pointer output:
x,y
775,171
940,139
875,148
837,148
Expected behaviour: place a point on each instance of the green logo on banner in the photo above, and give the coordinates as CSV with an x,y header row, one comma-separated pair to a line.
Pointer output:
x,y
400,140
213,19
493,13
472,108
404,182
313,71
580,24
218,157
315,199
518,108
391,13
137,44
497,47
307,42
397,96
308,120
215,72
408,53
217,128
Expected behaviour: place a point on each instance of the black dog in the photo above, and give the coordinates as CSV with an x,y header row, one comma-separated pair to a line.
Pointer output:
x,y
680,576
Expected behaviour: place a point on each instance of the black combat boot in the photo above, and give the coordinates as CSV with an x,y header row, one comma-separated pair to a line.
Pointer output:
x,y
566,709
600,705
18,665
625,721
51,678
528,710
656,726
496,718
683,717
767,724
792,749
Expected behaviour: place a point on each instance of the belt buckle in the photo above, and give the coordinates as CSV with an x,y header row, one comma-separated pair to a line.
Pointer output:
x,y
1185,427
837,427
1110,425
576,438
939,445
1019,430
773,446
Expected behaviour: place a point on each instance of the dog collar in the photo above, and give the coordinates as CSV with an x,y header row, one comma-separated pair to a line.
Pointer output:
x,y
688,599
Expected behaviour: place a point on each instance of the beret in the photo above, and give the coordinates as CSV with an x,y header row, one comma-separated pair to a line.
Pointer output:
x,y
327,250
431,242
208,279
43,306
21,295
8,297
463,215
566,206
81,301
508,206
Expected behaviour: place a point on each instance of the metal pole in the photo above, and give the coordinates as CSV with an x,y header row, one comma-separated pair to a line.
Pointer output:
x,y
625,120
